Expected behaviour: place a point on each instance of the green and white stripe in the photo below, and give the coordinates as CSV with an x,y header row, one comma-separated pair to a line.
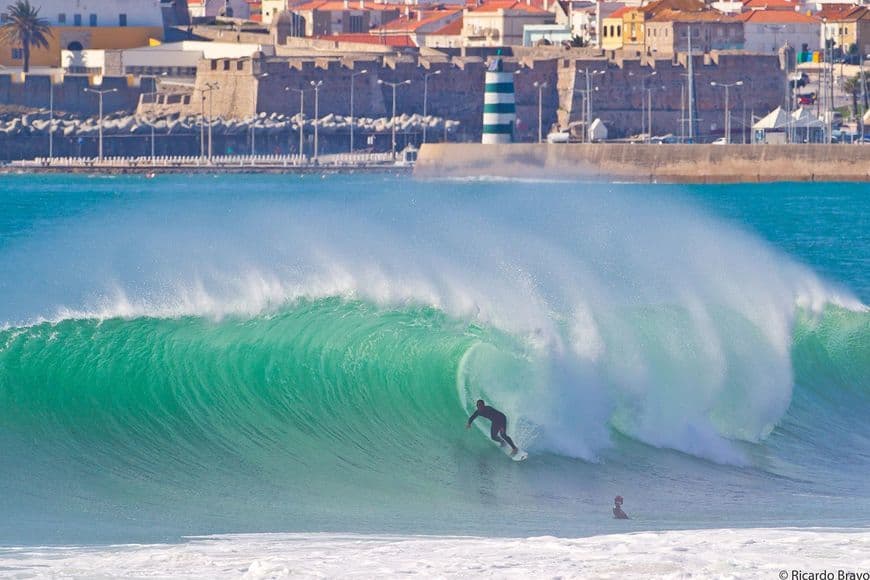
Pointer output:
x,y
499,110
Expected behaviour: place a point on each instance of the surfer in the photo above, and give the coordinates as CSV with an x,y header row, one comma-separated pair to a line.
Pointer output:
x,y
617,509
499,424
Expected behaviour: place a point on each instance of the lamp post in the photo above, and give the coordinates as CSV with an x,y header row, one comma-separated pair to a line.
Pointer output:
x,y
254,121
587,103
50,117
209,87
426,99
540,87
649,121
727,107
863,99
100,94
393,121
153,101
352,78
301,118
646,108
316,86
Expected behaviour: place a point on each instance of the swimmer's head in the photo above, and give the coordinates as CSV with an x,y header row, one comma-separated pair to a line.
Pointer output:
x,y
480,404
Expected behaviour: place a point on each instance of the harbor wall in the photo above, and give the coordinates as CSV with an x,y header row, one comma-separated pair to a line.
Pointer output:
x,y
659,163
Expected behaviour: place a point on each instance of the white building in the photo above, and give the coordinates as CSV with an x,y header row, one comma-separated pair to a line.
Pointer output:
x,y
176,59
100,12
500,24
212,8
766,31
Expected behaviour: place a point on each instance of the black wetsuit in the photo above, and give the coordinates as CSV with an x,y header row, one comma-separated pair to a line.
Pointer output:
x,y
499,424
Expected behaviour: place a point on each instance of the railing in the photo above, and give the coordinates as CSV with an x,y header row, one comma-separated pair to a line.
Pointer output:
x,y
273,161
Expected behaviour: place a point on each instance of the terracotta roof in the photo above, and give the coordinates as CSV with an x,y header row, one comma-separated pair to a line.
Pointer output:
x,y
680,16
414,23
396,40
338,6
654,8
452,29
514,5
777,16
837,12
778,5
620,12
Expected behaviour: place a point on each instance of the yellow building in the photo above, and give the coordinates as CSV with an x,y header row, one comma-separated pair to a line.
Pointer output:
x,y
80,38
611,30
89,24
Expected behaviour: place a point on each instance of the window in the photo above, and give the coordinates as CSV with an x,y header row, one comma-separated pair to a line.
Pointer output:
x,y
77,19
619,30
17,54
93,20
61,18
356,24
122,20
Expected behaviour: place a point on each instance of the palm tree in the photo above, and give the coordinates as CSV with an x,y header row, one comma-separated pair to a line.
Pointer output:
x,y
852,87
23,27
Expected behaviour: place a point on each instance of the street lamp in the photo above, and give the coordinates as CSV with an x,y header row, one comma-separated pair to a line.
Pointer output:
x,y
540,87
254,121
643,126
209,87
50,116
352,77
100,94
727,107
393,121
301,118
587,113
316,86
153,101
426,99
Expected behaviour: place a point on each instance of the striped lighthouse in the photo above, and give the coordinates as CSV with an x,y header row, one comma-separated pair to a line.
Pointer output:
x,y
499,110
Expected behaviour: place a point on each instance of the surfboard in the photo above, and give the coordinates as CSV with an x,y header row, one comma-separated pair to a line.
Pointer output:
x,y
521,455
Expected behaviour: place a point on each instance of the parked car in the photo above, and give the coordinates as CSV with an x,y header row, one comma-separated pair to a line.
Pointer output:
x,y
665,139
720,141
807,99
799,80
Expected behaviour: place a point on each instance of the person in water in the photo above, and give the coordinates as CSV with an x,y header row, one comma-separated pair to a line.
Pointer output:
x,y
499,424
617,509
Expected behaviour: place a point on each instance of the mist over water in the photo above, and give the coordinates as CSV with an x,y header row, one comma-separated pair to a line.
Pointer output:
x,y
260,354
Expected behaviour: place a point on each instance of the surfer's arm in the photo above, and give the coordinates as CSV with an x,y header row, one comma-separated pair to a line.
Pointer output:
x,y
472,418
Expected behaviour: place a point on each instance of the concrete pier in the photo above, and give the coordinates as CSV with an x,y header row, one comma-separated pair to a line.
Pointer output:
x,y
648,163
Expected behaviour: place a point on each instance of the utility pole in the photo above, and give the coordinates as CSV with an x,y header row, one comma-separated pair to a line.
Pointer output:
x,y
100,94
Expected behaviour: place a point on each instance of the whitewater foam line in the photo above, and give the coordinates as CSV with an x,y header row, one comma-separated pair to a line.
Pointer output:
x,y
731,553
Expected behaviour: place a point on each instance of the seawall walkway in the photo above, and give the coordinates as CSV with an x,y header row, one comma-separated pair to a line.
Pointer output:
x,y
648,163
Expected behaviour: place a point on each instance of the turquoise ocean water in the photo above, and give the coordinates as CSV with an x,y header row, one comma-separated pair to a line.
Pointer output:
x,y
195,355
